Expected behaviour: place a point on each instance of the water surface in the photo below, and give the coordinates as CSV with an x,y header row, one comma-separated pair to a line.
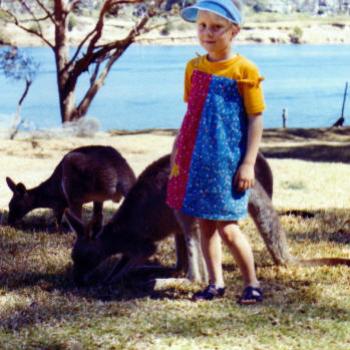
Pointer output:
x,y
145,87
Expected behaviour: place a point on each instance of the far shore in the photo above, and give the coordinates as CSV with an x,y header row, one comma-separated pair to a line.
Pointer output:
x,y
312,31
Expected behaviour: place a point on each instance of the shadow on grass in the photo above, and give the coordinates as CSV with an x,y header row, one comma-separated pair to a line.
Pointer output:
x,y
331,225
139,284
45,281
340,237
32,225
44,221
166,132
73,303
307,134
304,214
320,150
315,153
301,303
39,221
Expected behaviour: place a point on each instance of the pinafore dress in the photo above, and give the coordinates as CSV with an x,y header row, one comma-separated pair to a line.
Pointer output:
x,y
210,147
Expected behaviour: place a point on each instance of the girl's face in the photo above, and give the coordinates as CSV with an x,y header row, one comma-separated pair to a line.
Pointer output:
x,y
215,35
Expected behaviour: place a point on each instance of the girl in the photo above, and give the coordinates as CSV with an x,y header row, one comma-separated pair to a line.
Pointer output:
x,y
215,151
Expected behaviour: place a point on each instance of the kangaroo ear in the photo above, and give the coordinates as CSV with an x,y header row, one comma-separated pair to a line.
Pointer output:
x,y
21,188
75,223
11,184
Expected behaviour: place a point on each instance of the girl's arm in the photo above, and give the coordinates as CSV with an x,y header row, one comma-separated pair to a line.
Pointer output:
x,y
244,178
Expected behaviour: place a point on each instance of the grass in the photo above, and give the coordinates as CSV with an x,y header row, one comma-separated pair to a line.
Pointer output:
x,y
305,308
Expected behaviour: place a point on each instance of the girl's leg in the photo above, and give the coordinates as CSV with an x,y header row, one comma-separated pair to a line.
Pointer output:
x,y
211,247
240,249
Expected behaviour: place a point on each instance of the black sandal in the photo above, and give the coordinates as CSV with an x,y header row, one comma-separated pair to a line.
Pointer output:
x,y
209,293
251,295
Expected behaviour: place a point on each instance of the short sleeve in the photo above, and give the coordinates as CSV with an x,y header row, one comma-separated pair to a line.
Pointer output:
x,y
187,81
251,91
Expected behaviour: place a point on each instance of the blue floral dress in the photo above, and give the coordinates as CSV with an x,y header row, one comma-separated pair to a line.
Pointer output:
x,y
210,147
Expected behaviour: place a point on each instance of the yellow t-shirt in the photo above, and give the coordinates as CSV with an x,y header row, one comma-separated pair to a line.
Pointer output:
x,y
238,68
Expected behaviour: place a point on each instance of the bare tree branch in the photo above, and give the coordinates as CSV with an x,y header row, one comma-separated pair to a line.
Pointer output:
x,y
72,4
100,23
17,22
95,73
18,120
120,47
93,55
92,91
46,10
97,33
99,26
29,10
80,46
99,58
40,19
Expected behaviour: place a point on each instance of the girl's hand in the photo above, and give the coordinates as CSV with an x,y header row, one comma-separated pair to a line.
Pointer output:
x,y
245,177
174,169
173,157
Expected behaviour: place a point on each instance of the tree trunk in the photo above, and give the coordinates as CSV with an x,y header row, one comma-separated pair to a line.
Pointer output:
x,y
66,85
70,68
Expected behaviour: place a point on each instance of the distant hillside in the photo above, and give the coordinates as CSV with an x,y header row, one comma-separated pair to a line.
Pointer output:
x,y
320,7
317,7
266,22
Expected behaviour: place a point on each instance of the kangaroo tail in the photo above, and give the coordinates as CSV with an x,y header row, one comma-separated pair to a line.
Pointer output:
x,y
324,262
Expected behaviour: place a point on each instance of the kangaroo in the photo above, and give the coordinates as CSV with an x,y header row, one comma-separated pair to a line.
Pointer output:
x,y
142,220
90,173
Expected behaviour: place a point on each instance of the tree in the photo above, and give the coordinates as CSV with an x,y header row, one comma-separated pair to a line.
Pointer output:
x,y
89,55
16,65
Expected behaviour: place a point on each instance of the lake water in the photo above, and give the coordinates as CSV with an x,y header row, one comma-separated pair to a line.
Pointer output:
x,y
144,88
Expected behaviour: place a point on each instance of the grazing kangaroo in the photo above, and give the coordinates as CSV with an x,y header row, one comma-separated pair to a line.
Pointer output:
x,y
85,174
144,218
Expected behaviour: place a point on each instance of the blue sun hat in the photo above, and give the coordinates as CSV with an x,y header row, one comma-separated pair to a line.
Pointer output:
x,y
223,8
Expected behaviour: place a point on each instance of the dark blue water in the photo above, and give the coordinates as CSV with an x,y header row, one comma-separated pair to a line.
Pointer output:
x,y
145,87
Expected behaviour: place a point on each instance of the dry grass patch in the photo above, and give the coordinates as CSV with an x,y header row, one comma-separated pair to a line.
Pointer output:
x,y
305,308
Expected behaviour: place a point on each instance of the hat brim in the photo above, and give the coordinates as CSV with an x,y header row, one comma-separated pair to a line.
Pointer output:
x,y
190,13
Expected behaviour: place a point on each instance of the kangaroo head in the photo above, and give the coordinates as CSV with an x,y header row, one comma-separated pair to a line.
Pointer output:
x,y
20,203
87,252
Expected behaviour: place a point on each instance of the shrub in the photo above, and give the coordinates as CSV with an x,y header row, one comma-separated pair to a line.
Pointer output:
x,y
167,28
4,38
72,22
296,35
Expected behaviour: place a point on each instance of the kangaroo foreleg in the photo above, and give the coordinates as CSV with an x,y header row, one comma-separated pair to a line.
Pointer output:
x,y
196,268
181,253
76,208
123,267
58,212
97,217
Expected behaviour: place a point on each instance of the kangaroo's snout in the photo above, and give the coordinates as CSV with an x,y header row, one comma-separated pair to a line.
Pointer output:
x,y
12,220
